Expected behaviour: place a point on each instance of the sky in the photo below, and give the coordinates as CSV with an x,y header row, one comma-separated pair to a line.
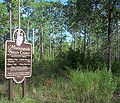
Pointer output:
x,y
63,1
1,1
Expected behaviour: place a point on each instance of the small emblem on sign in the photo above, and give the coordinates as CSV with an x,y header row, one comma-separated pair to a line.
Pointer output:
x,y
19,39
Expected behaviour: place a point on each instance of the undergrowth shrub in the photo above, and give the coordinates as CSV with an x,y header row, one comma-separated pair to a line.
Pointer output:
x,y
44,69
106,86
116,67
92,87
74,59
2,59
17,94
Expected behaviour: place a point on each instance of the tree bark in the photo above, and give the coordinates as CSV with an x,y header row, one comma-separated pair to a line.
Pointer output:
x,y
116,45
53,43
89,44
118,56
28,31
50,43
33,41
84,40
110,35
61,43
50,34
44,45
41,42
72,40
75,41
79,42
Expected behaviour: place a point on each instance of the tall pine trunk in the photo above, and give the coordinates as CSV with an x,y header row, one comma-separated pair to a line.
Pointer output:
x,y
89,44
28,31
50,44
61,44
50,17
75,37
44,47
33,41
116,44
53,43
41,42
84,40
72,40
110,34
117,41
118,56
79,42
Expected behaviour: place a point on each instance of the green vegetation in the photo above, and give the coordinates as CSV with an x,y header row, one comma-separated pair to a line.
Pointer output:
x,y
53,81
77,51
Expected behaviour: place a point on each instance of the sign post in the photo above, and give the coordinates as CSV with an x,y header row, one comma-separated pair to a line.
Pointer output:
x,y
18,57
19,14
10,21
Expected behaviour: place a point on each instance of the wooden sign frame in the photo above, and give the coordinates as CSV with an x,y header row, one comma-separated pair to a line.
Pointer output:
x,y
18,61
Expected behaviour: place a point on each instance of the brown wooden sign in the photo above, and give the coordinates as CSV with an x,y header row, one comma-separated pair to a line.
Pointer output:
x,y
18,61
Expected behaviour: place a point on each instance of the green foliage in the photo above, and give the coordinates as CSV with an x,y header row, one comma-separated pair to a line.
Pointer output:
x,y
51,81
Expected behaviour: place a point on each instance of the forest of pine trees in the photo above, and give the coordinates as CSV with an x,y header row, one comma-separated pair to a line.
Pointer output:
x,y
76,50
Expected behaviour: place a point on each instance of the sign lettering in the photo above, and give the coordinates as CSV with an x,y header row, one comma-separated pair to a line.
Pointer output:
x,y
18,61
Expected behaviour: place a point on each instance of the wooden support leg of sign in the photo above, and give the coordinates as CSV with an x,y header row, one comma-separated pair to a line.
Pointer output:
x,y
10,89
24,87
10,21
